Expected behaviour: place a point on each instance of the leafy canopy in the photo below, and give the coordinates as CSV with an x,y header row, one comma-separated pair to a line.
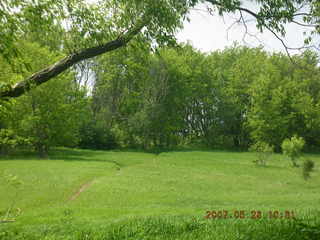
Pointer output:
x,y
84,28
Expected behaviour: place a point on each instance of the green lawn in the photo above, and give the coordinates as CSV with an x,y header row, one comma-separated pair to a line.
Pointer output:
x,y
134,186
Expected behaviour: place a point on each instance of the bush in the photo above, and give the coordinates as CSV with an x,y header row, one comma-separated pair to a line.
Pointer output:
x,y
10,141
292,148
263,151
308,166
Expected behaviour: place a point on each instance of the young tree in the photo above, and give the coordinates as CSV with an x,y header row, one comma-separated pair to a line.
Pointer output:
x,y
263,152
292,148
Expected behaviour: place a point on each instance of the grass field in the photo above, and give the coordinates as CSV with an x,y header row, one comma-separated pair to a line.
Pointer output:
x,y
82,194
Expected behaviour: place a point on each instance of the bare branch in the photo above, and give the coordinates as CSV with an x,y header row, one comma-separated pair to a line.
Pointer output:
x,y
232,25
302,14
282,42
304,25
266,26
247,33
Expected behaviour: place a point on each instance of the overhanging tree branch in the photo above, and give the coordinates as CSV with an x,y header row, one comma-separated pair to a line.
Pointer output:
x,y
55,69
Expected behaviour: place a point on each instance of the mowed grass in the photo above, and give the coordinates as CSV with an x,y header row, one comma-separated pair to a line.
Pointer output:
x,y
164,190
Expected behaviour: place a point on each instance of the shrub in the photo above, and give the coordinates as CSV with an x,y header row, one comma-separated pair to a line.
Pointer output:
x,y
263,151
10,141
292,148
308,166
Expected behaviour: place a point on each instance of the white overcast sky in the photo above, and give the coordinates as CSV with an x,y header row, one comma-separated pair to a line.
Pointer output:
x,y
208,33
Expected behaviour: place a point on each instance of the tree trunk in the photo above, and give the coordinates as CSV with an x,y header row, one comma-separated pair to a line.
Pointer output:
x,y
42,151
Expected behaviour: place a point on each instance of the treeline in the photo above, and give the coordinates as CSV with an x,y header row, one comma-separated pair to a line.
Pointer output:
x,y
171,97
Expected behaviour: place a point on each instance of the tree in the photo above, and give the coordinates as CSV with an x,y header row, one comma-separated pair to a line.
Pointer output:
x,y
228,98
96,32
292,148
88,25
285,100
49,115
263,152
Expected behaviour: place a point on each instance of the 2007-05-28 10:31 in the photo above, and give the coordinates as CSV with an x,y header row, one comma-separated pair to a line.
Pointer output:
x,y
254,214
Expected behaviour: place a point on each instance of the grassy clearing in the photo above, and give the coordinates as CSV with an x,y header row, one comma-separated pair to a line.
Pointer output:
x,y
149,192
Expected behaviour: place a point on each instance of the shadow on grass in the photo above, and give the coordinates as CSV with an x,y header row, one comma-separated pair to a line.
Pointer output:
x,y
62,153
89,155
182,149
68,154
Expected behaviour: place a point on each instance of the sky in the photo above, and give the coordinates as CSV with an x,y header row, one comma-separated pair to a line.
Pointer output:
x,y
208,33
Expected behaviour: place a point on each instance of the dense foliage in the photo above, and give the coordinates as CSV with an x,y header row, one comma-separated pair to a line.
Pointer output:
x,y
135,98
81,29
47,116
232,98
153,93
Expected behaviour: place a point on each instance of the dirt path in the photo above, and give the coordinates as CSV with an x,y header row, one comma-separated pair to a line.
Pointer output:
x,y
82,188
